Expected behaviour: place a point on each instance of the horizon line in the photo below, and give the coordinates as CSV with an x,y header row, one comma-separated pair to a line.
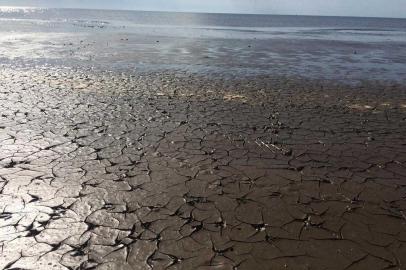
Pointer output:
x,y
205,12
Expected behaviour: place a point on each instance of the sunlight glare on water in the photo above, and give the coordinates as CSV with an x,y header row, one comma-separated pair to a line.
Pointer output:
x,y
10,9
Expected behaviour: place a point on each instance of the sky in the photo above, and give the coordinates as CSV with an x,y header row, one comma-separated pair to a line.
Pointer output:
x,y
369,8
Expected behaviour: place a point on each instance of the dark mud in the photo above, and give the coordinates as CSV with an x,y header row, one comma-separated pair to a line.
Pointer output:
x,y
171,171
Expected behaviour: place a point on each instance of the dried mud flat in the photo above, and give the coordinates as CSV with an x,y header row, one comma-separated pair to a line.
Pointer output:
x,y
171,171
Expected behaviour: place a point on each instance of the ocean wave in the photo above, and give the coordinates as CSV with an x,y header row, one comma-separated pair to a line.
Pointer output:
x,y
91,23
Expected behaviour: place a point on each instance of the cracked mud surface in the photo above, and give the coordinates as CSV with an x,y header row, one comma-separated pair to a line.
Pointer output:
x,y
170,171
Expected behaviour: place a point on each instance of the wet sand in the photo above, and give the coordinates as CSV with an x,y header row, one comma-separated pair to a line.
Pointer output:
x,y
170,170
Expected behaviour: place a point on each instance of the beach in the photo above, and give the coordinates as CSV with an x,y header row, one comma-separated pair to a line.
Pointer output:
x,y
118,151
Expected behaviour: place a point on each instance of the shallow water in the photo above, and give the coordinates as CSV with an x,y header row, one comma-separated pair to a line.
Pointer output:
x,y
337,48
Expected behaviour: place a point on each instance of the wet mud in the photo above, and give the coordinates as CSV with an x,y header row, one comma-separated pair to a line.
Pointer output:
x,y
176,171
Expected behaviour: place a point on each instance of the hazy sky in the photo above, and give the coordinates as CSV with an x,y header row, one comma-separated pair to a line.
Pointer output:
x,y
378,8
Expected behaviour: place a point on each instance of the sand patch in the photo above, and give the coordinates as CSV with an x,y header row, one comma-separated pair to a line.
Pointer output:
x,y
229,97
360,107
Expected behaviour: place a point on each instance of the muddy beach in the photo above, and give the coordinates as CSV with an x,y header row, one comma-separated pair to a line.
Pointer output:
x,y
171,170
152,140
